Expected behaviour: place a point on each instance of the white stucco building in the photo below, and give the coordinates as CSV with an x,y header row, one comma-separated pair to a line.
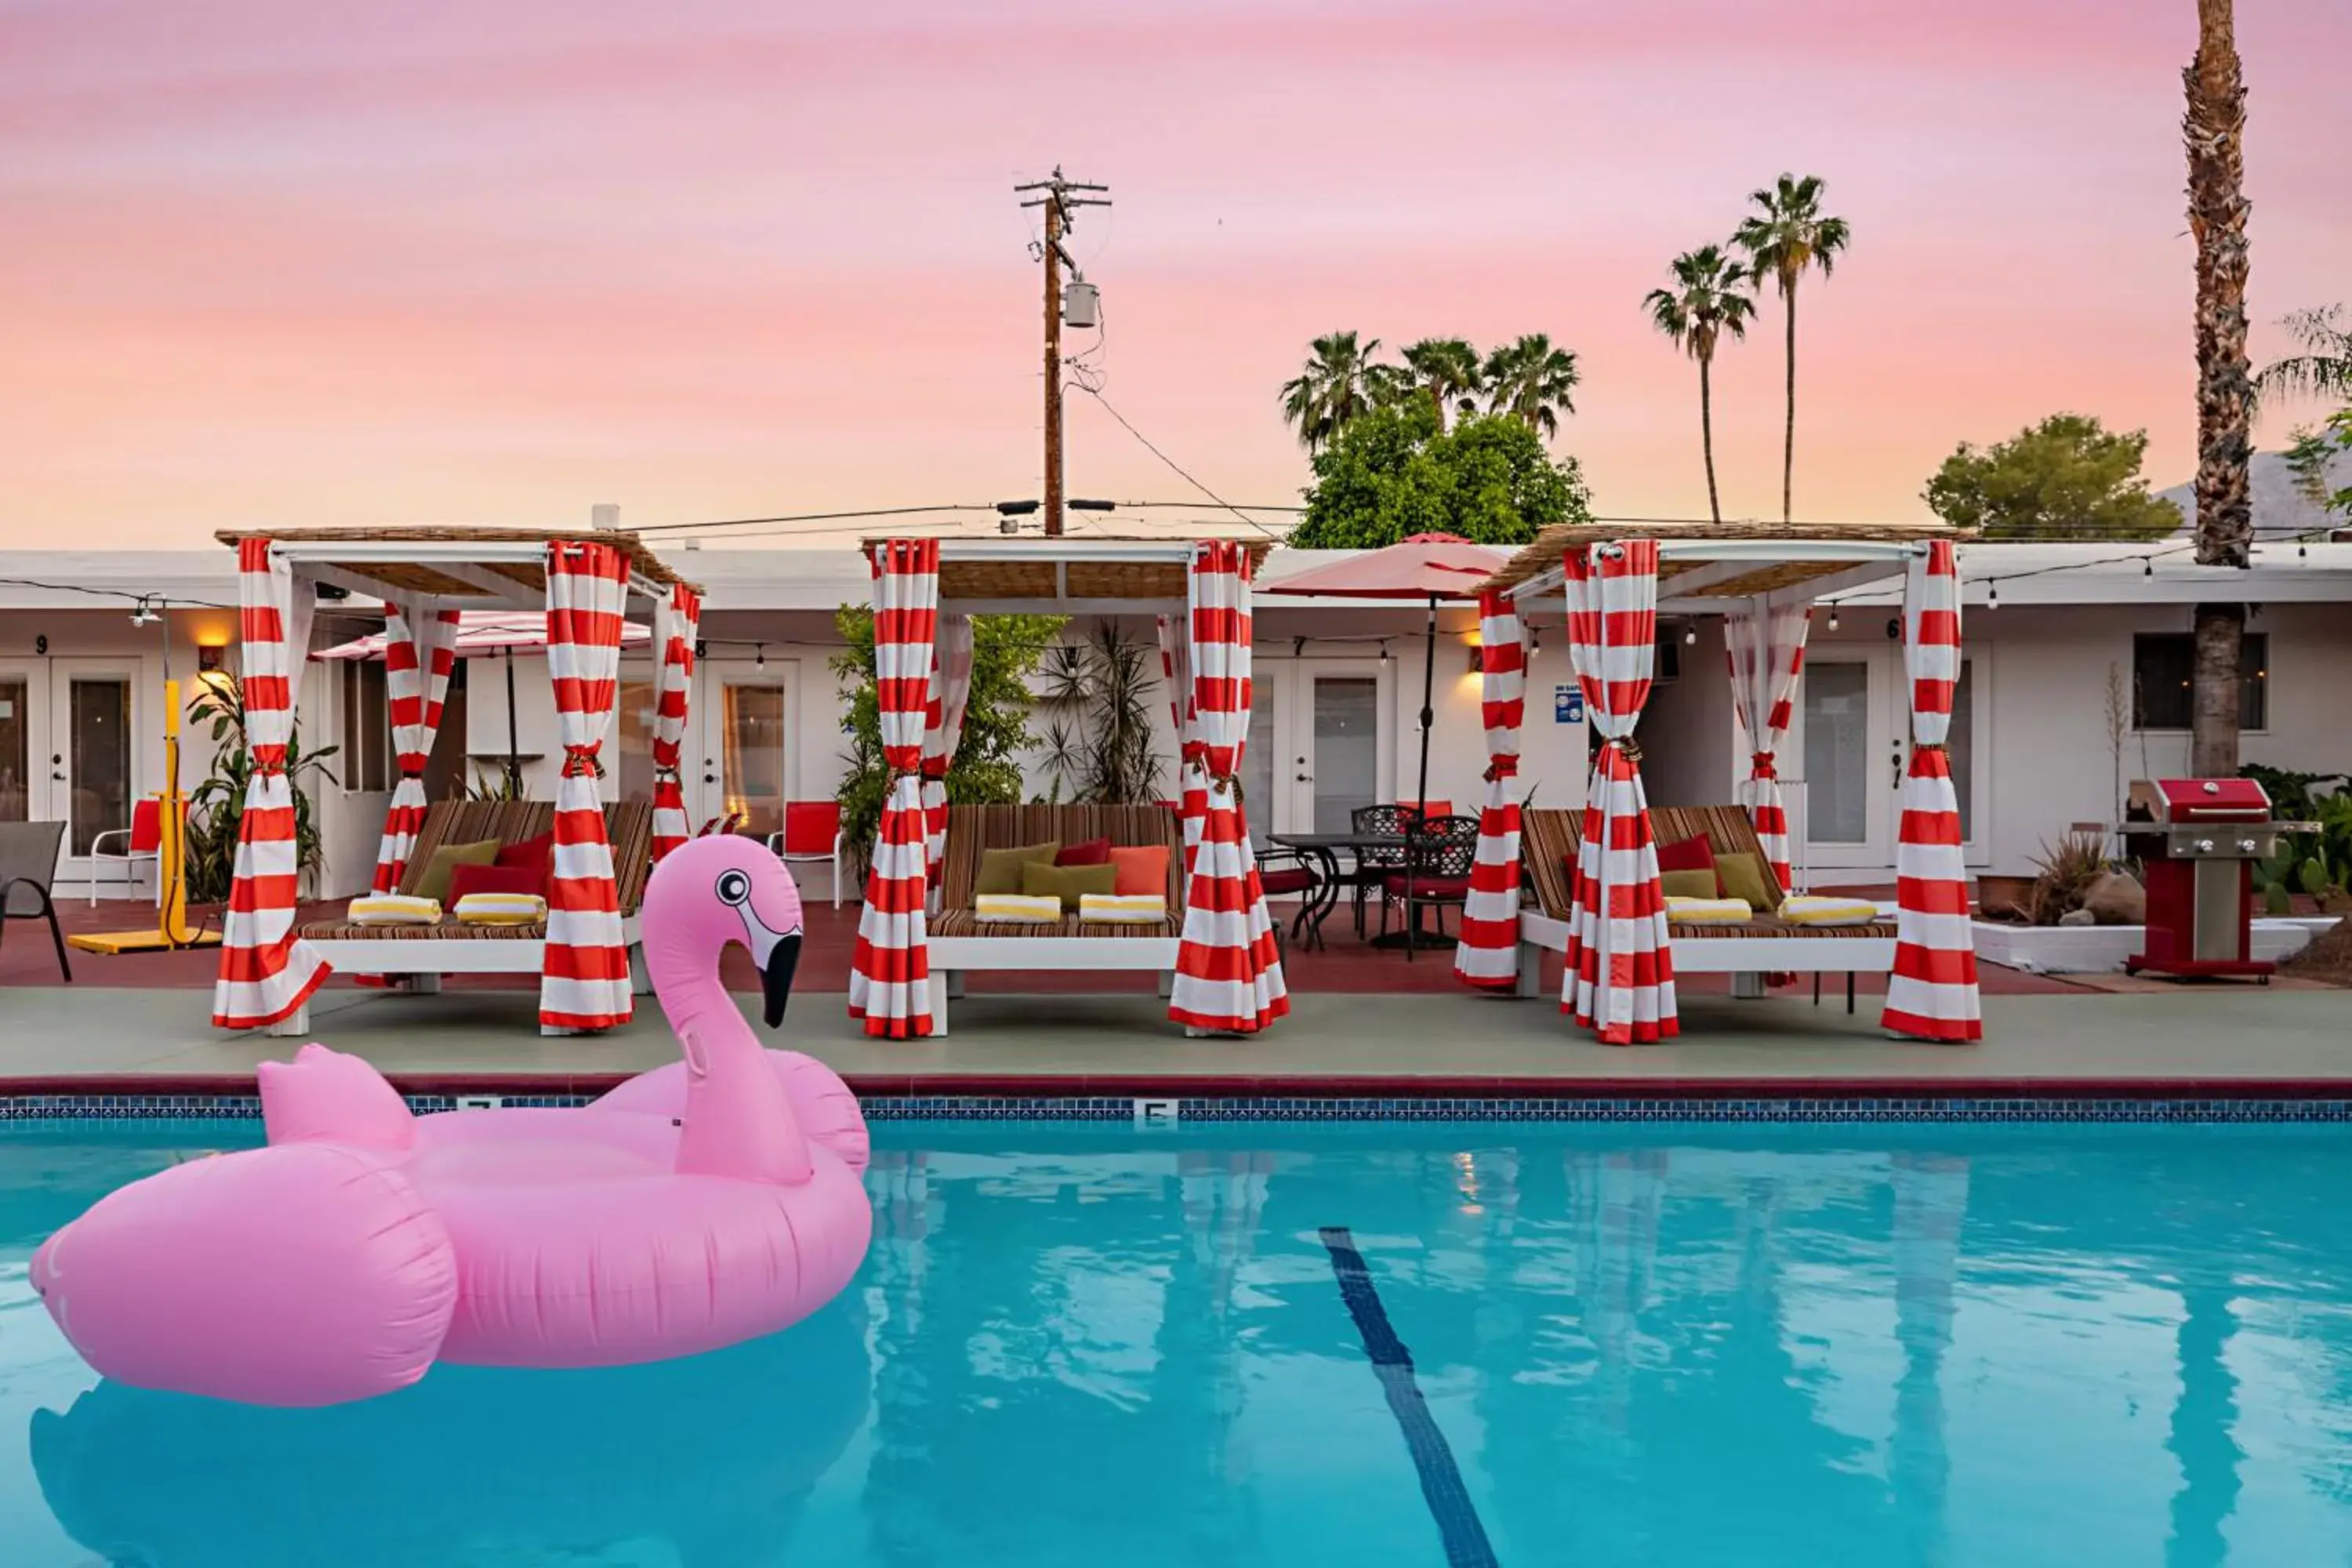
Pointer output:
x,y
1338,691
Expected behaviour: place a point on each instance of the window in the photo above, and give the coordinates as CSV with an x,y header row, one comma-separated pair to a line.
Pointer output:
x,y
365,761
2162,664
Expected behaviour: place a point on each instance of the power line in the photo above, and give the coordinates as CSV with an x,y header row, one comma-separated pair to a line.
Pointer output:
x,y
131,595
1180,471
803,517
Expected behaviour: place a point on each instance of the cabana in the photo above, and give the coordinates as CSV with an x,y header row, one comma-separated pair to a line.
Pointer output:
x,y
1222,969
586,582
1620,953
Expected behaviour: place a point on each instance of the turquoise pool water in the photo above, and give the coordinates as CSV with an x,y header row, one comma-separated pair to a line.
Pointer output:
x,y
1074,1345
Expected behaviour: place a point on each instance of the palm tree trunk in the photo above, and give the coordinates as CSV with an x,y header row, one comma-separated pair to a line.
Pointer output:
x,y
1706,435
2214,131
1789,431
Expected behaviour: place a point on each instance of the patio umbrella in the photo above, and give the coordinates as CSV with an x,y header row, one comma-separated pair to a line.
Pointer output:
x,y
482,632
1427,566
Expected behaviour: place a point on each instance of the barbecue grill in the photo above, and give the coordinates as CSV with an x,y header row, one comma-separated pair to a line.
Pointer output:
x,y
2198,840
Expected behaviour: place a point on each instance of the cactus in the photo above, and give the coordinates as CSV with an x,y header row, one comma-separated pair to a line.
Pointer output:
x,y
2313,875
2275,900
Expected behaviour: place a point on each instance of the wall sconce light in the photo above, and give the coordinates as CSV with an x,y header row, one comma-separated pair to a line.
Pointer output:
x,y
208,659
1478,659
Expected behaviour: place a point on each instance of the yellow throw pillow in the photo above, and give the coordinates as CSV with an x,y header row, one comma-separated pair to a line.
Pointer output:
x,y
1815,910
1123,909
1015,908
1687,884
1068,883
433,883
1000,869
1708,912
1744,877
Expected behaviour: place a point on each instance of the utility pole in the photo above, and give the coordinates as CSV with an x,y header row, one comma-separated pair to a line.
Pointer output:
x,y
1061,200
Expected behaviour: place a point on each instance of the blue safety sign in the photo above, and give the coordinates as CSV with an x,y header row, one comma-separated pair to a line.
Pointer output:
x,y
1568,704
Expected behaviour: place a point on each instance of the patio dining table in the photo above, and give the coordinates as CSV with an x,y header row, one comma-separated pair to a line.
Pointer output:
x,y
1326,849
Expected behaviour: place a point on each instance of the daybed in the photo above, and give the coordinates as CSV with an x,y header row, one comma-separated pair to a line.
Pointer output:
x,y
1764,946
960,941
423,953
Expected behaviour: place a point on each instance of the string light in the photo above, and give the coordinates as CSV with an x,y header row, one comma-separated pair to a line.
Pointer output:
x,y
1690,633
1992,595
758,656
1833,622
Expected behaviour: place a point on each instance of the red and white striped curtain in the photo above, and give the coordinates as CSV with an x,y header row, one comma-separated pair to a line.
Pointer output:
x,y
1487,953
1765,644
677,622
1191,781
1228,970
266,971
944,709
889,978
1619,978
583,980
1932,995
420,650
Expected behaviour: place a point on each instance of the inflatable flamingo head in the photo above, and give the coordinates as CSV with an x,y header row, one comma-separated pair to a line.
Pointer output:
x,y
709,892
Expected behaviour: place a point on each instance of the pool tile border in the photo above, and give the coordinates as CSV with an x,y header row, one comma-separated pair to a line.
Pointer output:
x,y
1127,1109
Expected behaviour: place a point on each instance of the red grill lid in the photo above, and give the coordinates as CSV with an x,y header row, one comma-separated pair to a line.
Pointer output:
x,y
2214,800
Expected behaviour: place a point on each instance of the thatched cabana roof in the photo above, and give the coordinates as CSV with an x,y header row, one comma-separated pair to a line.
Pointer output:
x,y
1068,576
1733,559
474,568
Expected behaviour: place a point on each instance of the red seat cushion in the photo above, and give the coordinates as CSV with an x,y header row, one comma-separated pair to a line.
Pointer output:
x,y
1692,854
1286,880
810,825
1092,852
1429,887
465,879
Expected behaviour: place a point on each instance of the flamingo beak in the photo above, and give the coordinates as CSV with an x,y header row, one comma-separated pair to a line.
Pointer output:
x,y
777,954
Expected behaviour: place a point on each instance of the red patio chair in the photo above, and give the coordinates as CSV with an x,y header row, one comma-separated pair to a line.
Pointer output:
x,y
812,832
142,843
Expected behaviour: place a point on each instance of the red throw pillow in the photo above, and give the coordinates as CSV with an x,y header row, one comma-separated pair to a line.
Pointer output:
x,y
536,855
1692,854
1143,871
465,879
1093,852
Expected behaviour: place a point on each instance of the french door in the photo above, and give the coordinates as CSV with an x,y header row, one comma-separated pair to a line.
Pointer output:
x,y
71,749
1851,747
1320,743
739,756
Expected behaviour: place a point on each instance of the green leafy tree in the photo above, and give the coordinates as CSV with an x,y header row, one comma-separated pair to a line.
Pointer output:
x,y
1532,382
2325,367
2066,477
1006,650
1340,381
216,806
1709,299
1395,472
1446,371
1787,237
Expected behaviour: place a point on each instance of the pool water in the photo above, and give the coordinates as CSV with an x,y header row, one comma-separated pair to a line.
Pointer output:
x,y
1287,1344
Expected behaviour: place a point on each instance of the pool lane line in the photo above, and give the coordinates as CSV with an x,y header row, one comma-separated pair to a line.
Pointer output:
x,y
1458,1525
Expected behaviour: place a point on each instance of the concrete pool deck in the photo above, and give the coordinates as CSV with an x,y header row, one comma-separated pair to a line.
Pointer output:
x,y
2189,1041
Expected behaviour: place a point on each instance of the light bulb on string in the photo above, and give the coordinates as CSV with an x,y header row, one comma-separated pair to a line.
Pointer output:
x,y
1690,633
758,656
2147,566
1834,621
1992,595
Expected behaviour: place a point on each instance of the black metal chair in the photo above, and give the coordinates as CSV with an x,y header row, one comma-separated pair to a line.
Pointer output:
x,y
1372,866
1439,854
1285,872
28,869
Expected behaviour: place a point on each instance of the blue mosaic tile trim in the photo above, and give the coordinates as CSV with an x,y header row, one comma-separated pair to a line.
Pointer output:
x,y
1122,1109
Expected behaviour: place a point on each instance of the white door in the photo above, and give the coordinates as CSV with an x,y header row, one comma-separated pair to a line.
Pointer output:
x,y
739,756
1851,746
82,749
1318,745
23,741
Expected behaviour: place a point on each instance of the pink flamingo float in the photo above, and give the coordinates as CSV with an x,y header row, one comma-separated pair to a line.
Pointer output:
x,y
712,1201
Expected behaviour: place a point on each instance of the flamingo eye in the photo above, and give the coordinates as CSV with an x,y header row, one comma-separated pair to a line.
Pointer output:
x,y
734,888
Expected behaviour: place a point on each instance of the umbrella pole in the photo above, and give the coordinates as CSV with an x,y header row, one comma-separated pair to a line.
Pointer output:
x,y
1428,715
514,762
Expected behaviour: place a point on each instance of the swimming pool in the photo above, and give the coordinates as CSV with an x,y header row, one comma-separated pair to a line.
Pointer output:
x,y
1290,1343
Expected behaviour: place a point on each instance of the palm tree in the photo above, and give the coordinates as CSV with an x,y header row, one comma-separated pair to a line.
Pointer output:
x,y
1709,300
1445,368
2214,130
1532,382
2323,369
1339,382
1786,236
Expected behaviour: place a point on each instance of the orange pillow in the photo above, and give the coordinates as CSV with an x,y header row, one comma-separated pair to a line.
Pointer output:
x,y
1143,871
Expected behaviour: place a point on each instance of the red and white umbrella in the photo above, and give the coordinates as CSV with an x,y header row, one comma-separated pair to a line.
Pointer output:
x,y
486,631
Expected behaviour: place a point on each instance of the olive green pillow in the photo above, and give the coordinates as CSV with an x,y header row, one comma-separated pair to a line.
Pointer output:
x,y
433,883
1000,869
1743,876
1067,883
1687,884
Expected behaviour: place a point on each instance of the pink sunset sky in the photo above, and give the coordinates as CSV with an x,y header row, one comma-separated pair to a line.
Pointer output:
x,y
303,261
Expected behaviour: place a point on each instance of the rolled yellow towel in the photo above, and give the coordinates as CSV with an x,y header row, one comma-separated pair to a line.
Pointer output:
x,y
394,910
1814,909
500,910
1123,909
1709,912
1017,908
